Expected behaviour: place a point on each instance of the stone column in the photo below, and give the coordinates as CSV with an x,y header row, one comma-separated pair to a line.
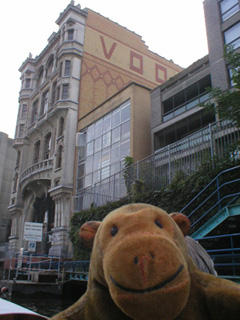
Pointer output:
x,y
60,239
13,239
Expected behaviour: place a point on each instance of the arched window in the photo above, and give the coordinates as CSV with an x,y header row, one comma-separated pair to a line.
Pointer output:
x,y
59,157
47,146
61,127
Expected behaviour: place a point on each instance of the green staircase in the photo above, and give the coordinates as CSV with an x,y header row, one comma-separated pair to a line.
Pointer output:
x,y
216,220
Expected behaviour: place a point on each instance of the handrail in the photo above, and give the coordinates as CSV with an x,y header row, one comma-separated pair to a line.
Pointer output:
x,y
208,185
226,260
220,236
217,203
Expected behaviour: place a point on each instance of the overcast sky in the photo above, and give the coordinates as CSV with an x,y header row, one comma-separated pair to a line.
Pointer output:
x,y
174,29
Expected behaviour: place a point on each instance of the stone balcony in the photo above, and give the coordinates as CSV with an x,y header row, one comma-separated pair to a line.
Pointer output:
x,y
40,170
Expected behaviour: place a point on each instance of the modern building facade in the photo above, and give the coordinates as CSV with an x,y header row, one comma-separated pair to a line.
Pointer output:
x,y
176,110
7,165
175,105
223,28
70,87
183,133
118,128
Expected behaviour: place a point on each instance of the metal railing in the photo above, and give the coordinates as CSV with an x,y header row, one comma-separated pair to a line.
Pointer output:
x,y
159,169
225,253
76,270
25,266
215,199
30,267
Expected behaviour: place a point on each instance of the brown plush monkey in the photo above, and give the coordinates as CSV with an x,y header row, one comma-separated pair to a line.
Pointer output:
x,y
140,269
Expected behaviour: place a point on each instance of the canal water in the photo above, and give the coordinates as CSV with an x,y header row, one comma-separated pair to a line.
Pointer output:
x,y
46,305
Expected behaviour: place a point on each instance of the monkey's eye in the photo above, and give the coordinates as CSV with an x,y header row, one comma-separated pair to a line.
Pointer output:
x,y
114,230
158,223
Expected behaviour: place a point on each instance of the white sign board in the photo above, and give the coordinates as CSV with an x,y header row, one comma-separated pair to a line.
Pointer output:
x,y
33,231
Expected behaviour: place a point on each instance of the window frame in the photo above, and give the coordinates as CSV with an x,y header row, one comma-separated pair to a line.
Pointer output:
x,y
235,40
67,68
23,110
228,12
65,91
100,163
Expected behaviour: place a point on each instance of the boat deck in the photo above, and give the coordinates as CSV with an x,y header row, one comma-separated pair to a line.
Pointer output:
x,y
12,311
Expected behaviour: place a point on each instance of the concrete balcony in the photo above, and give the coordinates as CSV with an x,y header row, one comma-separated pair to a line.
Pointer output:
x,y
40,170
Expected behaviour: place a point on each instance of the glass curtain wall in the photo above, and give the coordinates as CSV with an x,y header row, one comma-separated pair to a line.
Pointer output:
x,y
103,147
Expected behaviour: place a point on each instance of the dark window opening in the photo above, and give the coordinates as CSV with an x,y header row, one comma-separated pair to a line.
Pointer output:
x,y
185,99
182,129
168,105
192,92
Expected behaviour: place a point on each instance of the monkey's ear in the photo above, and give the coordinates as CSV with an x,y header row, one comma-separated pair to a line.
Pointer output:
x,y
88,231
182,221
